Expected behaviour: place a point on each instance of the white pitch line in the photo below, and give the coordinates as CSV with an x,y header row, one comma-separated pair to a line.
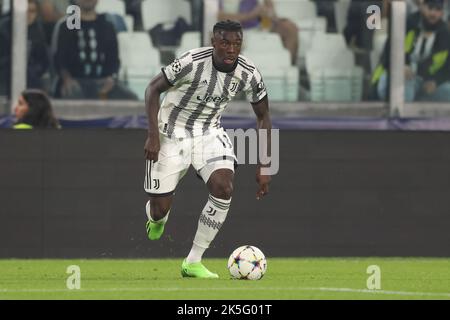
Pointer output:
x,y
338,290
400,293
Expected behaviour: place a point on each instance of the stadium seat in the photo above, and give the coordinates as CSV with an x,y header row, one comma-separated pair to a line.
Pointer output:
x,y
129,21
318,59
328,42
336,85
273,61
295,10
313,24
333,76
140,61
167,11
189,40
256,41
340,14
111,6
308,29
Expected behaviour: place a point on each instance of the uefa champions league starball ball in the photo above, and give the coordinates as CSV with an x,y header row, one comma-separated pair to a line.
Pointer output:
x,y
247,263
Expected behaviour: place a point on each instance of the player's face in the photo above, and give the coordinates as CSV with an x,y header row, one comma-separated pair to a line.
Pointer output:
x,y
21,108
227,47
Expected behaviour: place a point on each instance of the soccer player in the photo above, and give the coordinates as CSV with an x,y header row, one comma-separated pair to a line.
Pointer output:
x,y
185,129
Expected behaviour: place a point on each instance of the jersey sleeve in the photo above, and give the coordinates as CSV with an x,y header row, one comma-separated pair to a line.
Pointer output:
x,y
179,69
255,89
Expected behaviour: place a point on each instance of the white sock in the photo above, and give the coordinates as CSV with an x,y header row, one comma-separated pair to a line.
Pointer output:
x,y
196,253
210,222
149,216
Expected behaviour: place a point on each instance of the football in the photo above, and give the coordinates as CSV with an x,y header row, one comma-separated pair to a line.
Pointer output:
x,y
247,263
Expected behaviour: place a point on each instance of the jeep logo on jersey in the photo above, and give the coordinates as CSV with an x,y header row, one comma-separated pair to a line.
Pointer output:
x,y
207,98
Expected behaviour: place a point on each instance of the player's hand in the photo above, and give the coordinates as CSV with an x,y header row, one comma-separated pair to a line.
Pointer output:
x,y
151,148
263,184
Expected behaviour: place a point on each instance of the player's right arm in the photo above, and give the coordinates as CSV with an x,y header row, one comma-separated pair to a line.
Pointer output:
x,y
172,75
157,86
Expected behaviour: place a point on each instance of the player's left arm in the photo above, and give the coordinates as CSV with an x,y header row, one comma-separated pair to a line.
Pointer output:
x,y
261,109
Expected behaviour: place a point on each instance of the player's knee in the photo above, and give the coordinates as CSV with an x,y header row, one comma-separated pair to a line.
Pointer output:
x,y
223,190
159,209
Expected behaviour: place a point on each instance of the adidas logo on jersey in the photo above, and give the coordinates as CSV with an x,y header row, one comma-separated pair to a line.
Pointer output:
x,y
205,82
207,98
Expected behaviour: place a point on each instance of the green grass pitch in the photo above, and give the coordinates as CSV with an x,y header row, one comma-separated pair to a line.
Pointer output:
x,y
293,278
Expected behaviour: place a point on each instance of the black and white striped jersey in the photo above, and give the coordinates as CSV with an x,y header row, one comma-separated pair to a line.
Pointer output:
x,y
200,93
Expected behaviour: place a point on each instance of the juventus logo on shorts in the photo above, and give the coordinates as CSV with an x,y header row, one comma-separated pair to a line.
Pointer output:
x,y
156,184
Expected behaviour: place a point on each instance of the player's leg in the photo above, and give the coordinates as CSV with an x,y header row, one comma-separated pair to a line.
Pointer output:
x,y
218,174
220,186
157,210
161,179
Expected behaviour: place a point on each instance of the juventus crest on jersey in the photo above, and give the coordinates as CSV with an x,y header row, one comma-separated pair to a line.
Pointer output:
x,y
200,92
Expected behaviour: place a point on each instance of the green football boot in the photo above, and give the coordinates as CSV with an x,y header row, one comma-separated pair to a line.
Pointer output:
x,y
196,270
154,230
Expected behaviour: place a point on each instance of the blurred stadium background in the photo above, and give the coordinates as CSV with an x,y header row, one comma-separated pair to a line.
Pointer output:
x,y
332,76
360,176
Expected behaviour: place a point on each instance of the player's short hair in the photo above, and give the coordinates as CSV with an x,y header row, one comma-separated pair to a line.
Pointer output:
x,y
227,25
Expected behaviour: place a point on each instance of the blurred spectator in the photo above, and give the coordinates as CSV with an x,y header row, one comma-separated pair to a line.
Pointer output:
x,y
261,14
5,55
34,110
38,55
5,7
427,46
133,8
325,8
196,14
356,32
37,52
117,21
52,11
357,35
412,6
87,60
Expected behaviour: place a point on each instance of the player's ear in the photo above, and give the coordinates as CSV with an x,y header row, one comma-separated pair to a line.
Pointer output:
x,y
213,39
